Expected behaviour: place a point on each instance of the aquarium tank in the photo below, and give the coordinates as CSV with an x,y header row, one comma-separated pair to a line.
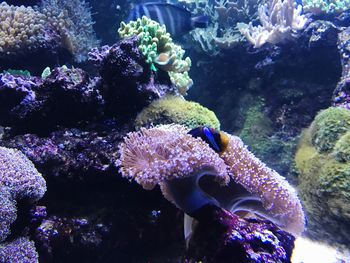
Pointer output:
x,y
175,131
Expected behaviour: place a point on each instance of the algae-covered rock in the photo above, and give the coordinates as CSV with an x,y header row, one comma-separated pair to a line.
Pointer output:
x,y
328,126
323,164
175,109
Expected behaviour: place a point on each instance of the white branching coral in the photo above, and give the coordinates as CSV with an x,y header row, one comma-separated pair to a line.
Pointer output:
x,y
277,196
166,152
280,20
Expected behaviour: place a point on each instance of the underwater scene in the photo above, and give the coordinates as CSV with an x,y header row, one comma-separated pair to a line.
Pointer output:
x,y
175,131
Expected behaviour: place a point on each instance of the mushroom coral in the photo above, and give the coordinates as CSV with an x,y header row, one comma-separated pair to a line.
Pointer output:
x,y
168,156
192,175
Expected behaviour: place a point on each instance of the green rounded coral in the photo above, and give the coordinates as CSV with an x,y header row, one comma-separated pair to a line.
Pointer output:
x,y
159,50
323,164
175,109
328,126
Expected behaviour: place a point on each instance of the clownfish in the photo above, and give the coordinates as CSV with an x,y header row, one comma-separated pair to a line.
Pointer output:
x,y
217,140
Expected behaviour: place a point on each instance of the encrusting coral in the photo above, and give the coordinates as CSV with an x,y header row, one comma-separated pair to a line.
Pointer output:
x,y
175,109
159,50
323,164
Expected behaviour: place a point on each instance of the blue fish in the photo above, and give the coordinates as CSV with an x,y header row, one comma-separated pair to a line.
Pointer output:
x,y
177,20
217,140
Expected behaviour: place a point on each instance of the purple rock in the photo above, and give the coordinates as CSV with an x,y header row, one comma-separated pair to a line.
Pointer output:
x,y
128,81
221,236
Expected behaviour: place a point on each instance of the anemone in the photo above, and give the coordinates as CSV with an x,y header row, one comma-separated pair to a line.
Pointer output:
x,y
192,175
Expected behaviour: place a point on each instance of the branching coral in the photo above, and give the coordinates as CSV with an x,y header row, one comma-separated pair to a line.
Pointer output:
x,y
323,163
280,19
175,109
157,46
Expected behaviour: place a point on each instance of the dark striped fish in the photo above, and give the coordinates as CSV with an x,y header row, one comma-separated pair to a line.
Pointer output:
x,y
177,20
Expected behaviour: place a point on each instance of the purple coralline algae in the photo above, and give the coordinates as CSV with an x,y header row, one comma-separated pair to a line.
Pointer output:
x,y
71,153
128,82
20,250
221,236
65,97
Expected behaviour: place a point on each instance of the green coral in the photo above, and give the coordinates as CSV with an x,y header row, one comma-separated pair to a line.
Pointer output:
x,y
328,126
175,109
159,50
326,6
324,177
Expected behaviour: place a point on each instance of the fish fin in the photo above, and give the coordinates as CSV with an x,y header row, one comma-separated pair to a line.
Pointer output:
x,y
200,21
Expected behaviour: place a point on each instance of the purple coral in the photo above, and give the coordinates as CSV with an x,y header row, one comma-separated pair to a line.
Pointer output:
x,y
19,176
19,250
7,213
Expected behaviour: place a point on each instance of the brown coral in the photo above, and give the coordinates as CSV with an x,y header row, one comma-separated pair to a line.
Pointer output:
x,y
22,28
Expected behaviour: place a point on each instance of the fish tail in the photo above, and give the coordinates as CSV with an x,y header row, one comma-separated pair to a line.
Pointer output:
x,y
200,21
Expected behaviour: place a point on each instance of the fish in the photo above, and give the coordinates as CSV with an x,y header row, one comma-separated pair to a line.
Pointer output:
x,y
177,20
217,140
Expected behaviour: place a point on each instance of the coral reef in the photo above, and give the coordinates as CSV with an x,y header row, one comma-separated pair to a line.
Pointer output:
x,y
128,83
323,165
23,29
279,19
240,240
19,176
166,152
19,182
323,6
158,49
19,250
63,98
73,22
54,30
195,178
8,213
175,109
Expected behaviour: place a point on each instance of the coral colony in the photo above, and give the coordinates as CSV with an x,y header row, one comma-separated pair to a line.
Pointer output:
x,y
108,154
